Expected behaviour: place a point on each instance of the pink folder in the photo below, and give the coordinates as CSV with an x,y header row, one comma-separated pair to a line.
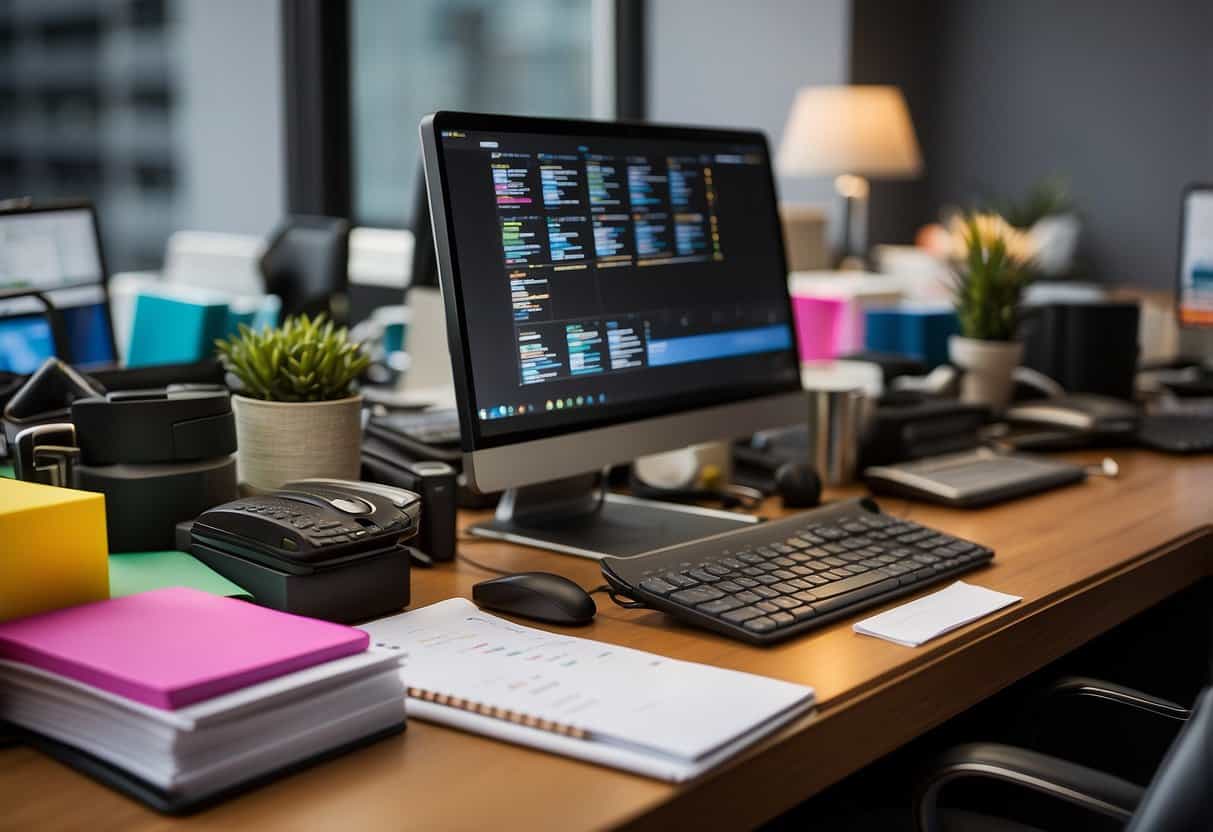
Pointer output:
x,y
171,647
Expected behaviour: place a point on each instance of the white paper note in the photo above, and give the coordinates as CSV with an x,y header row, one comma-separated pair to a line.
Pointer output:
x,y
940,612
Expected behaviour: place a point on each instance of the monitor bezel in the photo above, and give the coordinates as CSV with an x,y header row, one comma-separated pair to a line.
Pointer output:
x,y
20,207
451,284
1189,190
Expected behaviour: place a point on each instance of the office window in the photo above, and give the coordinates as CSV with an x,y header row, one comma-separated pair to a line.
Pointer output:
x,y
165,113
532,57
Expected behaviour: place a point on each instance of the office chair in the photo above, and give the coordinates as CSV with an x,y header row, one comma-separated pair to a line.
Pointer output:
x,y
306,265
1178,798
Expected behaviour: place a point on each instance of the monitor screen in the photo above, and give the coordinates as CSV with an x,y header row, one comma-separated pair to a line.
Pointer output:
x,y
1196,259
58,252
610,272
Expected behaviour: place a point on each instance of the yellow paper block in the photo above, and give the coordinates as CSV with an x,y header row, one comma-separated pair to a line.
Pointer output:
x,y
53,550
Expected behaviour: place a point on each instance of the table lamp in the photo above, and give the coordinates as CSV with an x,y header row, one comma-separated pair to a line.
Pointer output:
x,y
850,132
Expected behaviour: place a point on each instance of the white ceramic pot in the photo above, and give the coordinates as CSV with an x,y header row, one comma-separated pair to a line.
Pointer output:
x,y
282,441
988,368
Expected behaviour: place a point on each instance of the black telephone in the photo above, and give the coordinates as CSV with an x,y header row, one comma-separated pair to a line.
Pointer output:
x,y
332,549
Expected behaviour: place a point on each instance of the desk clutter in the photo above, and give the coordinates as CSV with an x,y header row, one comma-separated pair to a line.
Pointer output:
x,y
610,705
179,698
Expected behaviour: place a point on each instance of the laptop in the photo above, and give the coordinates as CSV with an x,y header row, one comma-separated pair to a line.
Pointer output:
x,y
54,249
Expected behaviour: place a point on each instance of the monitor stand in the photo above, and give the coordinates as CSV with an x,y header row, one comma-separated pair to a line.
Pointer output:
x,y
577,516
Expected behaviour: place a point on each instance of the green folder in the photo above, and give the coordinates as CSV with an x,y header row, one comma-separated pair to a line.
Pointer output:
x,y
7,471
141,571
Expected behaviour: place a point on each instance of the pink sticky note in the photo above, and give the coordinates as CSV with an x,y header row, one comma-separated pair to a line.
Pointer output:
x,y
171,647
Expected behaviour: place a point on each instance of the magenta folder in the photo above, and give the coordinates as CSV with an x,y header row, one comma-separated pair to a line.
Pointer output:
x,y
171,647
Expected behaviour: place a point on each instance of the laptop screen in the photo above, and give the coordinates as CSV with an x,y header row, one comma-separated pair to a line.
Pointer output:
x,y
56,251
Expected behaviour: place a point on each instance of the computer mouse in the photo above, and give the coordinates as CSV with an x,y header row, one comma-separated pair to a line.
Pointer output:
x,y
798,484
538,595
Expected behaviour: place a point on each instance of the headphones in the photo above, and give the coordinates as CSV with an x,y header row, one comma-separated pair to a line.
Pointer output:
x,y
154,426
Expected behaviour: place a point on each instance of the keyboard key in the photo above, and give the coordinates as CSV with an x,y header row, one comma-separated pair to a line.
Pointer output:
x,y
850,583
802,571
741,614
746,582
657,586
766,592
767,580
818,565
732,563
760,625
785,588
750,557
786,603
834,561
783,561
782,619
852,557
767,606
703,576
834,548
854,527
817,580
753,571
766,552
798,557
801,613
679,580
696,595
728,586
923,557
719,605
836,575
783,574
799,583
782,548
798,543
717,570
855,595
747,597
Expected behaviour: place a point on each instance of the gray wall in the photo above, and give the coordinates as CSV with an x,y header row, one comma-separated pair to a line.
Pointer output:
x,y
1117,95
230,135
739,64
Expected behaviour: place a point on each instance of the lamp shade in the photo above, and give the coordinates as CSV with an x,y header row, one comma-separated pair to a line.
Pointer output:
x,y
862,130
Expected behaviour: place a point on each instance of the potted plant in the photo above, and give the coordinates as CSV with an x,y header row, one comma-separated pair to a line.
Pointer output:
x,y
993,267
297,413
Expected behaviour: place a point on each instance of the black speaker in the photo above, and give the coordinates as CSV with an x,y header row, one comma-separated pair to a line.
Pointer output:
x,y
1085,347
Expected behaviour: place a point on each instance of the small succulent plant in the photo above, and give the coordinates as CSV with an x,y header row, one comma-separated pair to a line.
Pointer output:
x,y
993,268
304,360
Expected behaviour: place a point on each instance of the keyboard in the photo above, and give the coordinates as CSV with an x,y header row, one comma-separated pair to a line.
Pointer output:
x,y
771,581
432,427
973,478
1180,433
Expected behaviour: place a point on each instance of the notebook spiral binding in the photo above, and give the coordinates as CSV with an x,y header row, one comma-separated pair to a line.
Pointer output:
x,y
499,713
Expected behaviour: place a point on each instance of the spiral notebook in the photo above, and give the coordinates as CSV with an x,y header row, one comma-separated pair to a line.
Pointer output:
x,y
611,705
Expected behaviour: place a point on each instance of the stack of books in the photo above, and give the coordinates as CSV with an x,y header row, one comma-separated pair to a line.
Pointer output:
x,y
180,698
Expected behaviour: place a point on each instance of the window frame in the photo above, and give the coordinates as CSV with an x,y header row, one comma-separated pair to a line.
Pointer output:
x,y
316,76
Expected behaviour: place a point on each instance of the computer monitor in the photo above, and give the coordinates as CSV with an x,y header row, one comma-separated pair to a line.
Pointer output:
x,y
56,250
424,272
611,290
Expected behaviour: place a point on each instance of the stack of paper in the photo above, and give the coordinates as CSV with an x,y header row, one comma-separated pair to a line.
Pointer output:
x,y
177,696
933,615
599,702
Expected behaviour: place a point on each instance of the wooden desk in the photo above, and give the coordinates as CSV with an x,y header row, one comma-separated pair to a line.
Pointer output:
x,y
1084,559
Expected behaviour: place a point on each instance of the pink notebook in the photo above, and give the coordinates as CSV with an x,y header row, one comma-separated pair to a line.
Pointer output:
x,y
171,647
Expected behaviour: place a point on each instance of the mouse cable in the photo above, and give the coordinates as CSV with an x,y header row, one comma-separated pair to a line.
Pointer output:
x,y
486,568
483,566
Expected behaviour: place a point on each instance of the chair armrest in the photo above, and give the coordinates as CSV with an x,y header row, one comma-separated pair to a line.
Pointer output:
x,y
1085,787
1083,686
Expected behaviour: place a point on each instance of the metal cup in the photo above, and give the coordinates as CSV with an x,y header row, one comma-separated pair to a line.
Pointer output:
x,y
837,420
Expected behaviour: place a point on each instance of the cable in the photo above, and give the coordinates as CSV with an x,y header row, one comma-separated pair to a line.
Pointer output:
x,y
483,567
